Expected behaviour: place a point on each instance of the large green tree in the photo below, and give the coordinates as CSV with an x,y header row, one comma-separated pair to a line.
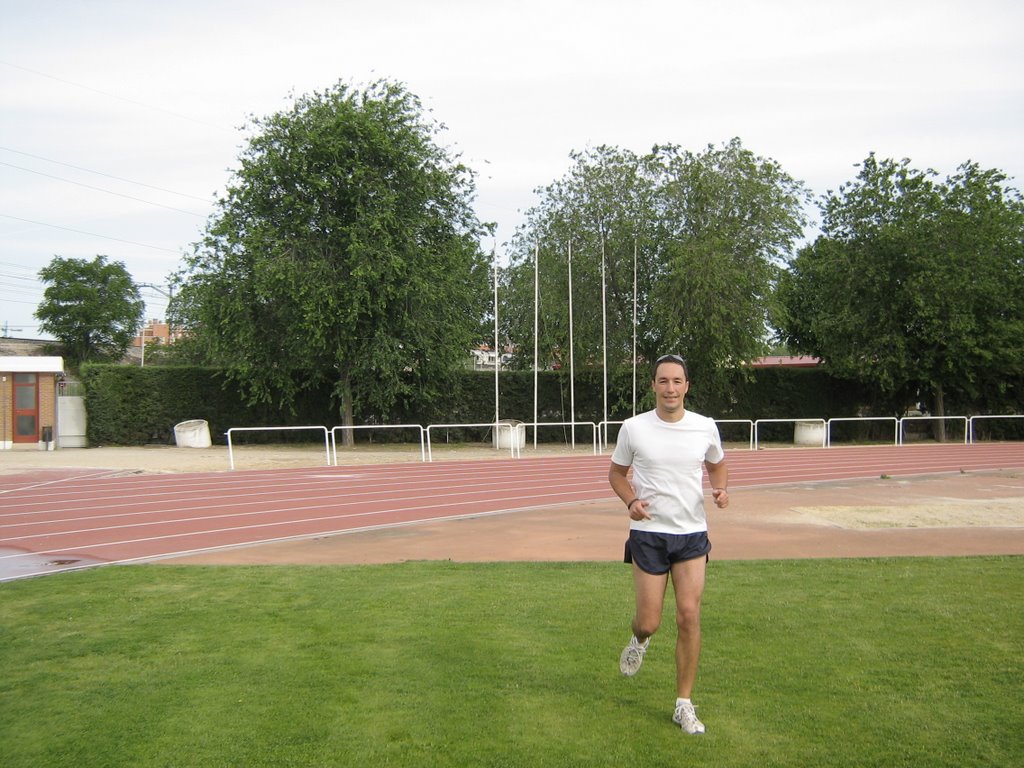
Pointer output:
x,y
345,251
702,235
92,307
916,284
729,221
601,214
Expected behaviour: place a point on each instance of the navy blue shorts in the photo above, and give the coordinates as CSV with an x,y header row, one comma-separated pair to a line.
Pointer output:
x,y
655,553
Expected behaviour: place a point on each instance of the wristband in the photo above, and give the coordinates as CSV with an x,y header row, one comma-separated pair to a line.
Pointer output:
x,y
629,506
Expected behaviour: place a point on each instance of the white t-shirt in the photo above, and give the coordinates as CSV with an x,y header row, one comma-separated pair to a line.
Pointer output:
x,y
667,460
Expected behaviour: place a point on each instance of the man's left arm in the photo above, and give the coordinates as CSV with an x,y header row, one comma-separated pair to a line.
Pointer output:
x,y
718,475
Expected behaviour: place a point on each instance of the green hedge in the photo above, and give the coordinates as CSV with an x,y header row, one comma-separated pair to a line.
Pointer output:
x,y
129,405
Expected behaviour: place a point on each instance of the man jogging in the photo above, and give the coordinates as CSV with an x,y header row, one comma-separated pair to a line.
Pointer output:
x,y
668,527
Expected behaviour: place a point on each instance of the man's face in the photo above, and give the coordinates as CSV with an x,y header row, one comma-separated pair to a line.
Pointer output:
x,y
670,387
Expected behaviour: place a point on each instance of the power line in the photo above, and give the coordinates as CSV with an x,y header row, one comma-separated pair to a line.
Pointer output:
x,y
105,191
90,234
14,295
17,277
15,266
19,290
107,175
114,96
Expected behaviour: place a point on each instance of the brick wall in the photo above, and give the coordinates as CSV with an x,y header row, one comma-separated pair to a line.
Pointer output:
x,y
47,402
6,428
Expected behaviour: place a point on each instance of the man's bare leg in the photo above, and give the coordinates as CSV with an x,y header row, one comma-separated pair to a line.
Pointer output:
x,y
688,583
650,601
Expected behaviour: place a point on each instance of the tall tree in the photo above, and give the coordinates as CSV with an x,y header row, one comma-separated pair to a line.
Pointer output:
x,y
345,250
708,232
729,221
916,284
92,307
601,209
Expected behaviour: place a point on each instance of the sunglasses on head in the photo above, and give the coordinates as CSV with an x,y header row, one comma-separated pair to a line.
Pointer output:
x,y
670,359
677,359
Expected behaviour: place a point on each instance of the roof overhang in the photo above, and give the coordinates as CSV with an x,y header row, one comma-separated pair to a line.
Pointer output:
x,y
29,364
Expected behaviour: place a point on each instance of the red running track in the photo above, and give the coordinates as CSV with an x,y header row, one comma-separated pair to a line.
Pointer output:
x,y
82,520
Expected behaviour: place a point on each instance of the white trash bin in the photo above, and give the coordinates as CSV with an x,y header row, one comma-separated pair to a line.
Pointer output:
x,y
809,433
509,433
194,433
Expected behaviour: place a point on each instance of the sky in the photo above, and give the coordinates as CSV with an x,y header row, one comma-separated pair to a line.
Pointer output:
x,y
122,121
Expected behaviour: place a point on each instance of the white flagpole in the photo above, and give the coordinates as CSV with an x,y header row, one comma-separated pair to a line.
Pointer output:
x,y
604,332
497,349
572,364
634,326
536,316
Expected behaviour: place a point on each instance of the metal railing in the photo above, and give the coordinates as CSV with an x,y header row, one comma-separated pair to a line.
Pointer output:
x,y
513,443
972,419
594,429
749,422
231,453
893,419
599,431
417,427
602,429
906,419
759,422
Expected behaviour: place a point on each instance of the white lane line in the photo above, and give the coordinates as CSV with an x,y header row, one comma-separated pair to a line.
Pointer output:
x,y
184,496
57,481
301,521
471,495
295,537
138,508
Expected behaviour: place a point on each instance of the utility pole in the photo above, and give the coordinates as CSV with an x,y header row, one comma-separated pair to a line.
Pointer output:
x,y
7,330
142,333
168,293
158,289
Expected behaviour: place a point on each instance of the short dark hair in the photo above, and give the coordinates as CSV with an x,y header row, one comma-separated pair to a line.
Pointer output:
x,y
678,359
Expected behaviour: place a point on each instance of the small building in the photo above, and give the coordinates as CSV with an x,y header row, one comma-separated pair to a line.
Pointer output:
x,y
28,401
155,333
485,358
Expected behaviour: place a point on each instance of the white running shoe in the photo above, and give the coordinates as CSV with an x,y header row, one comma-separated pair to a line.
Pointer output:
x,y
633,656
686,718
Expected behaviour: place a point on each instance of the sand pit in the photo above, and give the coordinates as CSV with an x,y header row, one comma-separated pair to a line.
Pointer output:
x,y
1008,513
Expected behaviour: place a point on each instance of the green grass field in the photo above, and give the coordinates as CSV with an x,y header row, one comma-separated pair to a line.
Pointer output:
x,y
907,662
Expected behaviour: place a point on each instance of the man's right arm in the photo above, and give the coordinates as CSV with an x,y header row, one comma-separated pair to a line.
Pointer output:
x,y
618,478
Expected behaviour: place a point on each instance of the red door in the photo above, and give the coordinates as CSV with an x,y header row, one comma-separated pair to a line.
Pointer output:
x,y
26,408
